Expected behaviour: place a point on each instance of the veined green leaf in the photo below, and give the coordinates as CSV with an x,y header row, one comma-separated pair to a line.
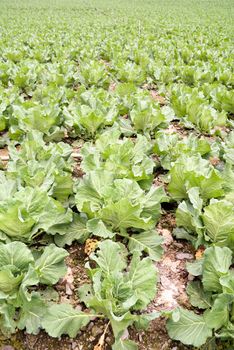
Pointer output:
x,y
31,314
197,296
148,242
190,329
143,277
50,266
216,264
110,257
218,219
124,345
63,319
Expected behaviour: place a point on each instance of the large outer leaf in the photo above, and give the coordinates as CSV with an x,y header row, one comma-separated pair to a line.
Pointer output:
x,y
197,296
50,266
7,187
177,185
148,242
63,319
226,332
63,187
110,257
143,276
120,323
216,264
31,314
91,190
124,214
188,217
152,200
30,279
195,267
15,254
67,233
128,189
212,185
194,197
227,282
9,282
7,322
190,329
98,228
218,315
142,321
218,218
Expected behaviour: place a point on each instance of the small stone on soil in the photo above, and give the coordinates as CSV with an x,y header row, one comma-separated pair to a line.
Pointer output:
x,y
168,239
96,330
182,256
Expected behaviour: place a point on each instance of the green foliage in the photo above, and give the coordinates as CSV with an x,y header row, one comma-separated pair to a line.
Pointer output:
x,y
147,116
170,147
21,306
26,212
124,157
213,223
119,289
38,164
215,294
195,111
140,102
115,205
190,328
94,110
63,319
194,171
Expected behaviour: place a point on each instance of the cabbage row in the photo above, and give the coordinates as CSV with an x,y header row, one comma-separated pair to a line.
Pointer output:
x,y
95,103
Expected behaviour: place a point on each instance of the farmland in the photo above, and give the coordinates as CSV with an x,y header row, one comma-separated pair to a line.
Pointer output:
x,y
116,175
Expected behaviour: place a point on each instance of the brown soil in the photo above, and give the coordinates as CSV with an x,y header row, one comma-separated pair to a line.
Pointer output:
x,y
171,289
3,156
176,127
155,95
172,269
3,152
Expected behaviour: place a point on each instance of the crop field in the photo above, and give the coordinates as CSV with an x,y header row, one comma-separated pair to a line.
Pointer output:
x,y
116,175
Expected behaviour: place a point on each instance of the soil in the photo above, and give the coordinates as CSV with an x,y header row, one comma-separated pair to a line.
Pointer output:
x,y
161,99
172,267
3,157
3,153
176,127
171,288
